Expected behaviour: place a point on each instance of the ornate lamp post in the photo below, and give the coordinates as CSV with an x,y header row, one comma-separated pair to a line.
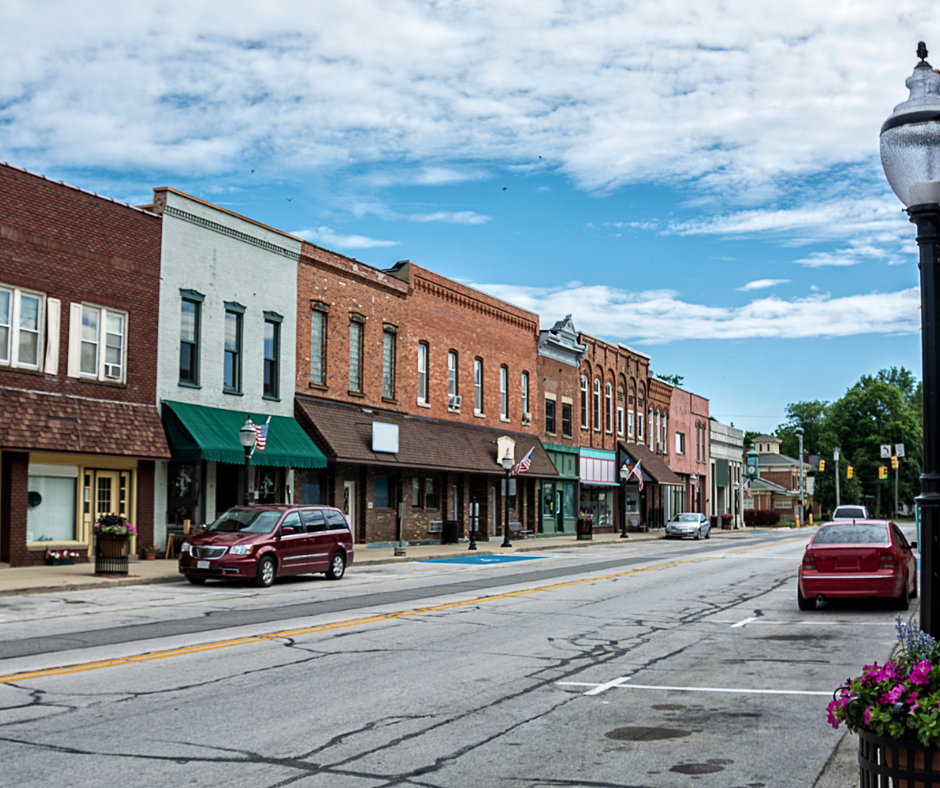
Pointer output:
x,y
624,475
247,437
506,462
910,155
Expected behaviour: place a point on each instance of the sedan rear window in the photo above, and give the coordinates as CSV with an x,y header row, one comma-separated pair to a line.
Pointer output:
x,y
688,518
853,533
246,521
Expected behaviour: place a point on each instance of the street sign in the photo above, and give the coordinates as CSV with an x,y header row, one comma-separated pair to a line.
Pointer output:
x,y
835,455
899,449
885,450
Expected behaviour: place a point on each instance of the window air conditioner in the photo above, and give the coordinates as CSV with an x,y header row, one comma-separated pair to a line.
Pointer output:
x,y
526,418
453,401
112,371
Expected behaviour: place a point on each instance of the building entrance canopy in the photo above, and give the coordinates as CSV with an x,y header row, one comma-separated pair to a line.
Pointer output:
x,y
196,432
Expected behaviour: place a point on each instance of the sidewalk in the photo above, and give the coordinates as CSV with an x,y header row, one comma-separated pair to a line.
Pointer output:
x,y
80,577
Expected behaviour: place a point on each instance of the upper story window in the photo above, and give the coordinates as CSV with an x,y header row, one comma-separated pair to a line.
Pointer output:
x,y
21,314
453,382
525,394
566,419
504,391
639,425
190,329
620,421
550,416
232,370
597,405
423,372
318,318
103,340
355,355
389,339
680,443
629,423
272,354
478,385
608,408
652,432
584,403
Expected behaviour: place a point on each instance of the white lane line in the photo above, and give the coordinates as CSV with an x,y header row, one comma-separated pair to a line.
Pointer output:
x,y
619,684
804,622
743,623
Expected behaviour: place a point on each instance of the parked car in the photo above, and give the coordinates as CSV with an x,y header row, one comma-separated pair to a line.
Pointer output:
x,y
689,524
858,559
260,543
850,512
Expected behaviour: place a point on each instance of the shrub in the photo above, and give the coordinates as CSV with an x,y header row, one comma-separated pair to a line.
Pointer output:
x,y
761,517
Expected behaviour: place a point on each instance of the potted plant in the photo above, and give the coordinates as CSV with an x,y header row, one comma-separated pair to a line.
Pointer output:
x,y
61,557
149,551
586,525
111,534
895,710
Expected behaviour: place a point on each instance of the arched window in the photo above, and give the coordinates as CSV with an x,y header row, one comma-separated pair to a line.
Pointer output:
x,y
584,403
608,408
597,405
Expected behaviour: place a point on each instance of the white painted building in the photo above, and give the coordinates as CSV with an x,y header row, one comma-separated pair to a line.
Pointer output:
x,y
726,454
226,353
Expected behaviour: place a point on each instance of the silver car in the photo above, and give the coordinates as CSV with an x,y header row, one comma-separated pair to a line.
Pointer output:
x,y
688,524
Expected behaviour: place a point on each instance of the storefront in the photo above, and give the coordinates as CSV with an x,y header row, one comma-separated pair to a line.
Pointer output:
x,y
559,496
598,487
660,498
207,473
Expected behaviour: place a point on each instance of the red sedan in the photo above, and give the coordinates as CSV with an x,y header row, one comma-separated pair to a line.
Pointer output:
x,y
858,559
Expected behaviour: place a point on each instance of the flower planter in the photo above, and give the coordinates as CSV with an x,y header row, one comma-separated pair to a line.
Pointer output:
x,y
585,529
60,561
899,763
111,554
150,556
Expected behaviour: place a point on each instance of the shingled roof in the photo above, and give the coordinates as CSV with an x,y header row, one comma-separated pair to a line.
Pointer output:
x,y
652,465
344,433
36,421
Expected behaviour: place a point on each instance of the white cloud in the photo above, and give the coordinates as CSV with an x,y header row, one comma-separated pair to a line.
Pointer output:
x,y
762,284
325,236
657,317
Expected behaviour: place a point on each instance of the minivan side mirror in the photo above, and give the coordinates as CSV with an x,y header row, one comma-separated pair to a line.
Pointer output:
x,y
287,530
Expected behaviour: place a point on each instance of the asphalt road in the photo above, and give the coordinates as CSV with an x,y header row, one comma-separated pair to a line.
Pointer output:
x,y
664,664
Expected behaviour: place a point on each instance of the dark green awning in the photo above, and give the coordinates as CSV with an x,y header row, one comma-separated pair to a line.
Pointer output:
x,y
195,432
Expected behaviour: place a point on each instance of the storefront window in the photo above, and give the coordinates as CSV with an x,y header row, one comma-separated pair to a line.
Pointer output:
x,y
50,515
633,502
383,492
311,487
598,502
571,499
548,500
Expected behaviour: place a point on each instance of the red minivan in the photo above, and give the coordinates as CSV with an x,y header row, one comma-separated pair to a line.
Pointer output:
x,y
260,543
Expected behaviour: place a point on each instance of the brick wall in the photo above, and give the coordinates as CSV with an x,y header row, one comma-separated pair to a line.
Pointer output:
x,y
14,468
559,381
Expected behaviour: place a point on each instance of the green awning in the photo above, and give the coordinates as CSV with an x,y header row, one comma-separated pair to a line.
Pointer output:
x,y
195,432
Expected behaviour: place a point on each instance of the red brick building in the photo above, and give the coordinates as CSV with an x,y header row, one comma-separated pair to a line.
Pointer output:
x,y
690,455
79,302
410,382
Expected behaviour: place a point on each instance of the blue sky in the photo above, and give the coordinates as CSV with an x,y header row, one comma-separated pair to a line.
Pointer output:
x,y
698,180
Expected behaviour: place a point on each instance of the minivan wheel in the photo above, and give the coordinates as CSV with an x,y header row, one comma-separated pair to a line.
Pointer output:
x,y
337,566
265,574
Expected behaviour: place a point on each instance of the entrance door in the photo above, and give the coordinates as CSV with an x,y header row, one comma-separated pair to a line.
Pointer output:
x,y
349,506
559,509
106,493
493,511
228,478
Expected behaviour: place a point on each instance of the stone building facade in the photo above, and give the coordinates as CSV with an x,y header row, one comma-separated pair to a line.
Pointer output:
x,y
726,457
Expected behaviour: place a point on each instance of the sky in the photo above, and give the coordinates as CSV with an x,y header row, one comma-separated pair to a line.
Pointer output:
x,y
699,180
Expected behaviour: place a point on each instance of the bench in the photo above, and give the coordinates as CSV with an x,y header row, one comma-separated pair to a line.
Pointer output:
x,y
516,528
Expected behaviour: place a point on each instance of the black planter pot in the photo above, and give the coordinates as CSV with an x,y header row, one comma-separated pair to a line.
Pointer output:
x,y
884,762
111,553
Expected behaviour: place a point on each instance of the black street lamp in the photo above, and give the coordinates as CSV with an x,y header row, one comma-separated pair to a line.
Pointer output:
x,y
624,475
506,462
247,437
910,155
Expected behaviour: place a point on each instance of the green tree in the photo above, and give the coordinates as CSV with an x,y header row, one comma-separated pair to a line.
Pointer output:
x,y
674,380
808,418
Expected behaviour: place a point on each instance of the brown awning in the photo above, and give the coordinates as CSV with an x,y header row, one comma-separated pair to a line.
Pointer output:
x,y
651,464
41,422
344,433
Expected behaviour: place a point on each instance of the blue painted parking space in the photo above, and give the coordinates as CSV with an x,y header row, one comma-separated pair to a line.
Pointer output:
x,y
483,559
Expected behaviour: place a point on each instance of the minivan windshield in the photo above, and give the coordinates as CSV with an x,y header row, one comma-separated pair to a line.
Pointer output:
x,y
247,521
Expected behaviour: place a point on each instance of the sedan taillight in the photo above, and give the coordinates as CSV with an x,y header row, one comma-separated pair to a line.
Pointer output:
x,y
887,561
809,561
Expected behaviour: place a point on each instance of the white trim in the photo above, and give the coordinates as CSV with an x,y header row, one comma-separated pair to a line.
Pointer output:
x,y
45,469
53,329
75,340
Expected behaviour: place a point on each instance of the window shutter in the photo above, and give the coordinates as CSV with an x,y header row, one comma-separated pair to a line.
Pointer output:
x,y
53,323
75,340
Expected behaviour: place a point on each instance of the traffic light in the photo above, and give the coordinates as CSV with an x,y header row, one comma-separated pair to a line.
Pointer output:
x,y
822,465
849,472
882,472
894,463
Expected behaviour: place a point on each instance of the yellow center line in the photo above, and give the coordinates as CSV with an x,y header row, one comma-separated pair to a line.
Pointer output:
x,y
357,622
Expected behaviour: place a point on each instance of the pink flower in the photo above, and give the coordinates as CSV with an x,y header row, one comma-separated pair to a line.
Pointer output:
x,y
868,715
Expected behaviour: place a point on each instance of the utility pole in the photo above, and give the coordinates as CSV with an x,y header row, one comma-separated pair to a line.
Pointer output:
x,y
799,511
835,456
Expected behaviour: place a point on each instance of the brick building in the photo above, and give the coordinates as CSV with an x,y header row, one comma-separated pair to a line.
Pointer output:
x,y
411,383
778,485
690,458
79,302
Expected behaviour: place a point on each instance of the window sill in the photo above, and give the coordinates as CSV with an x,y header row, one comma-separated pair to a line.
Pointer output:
x,y
551,434
357,394
453,410
390,400
269,398
41,547
479,415
187,385
424,404
504,419
233,393
318,386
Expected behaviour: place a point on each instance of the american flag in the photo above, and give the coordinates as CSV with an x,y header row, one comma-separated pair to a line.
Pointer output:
x,y
261,434
747,488
638,472
524,464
